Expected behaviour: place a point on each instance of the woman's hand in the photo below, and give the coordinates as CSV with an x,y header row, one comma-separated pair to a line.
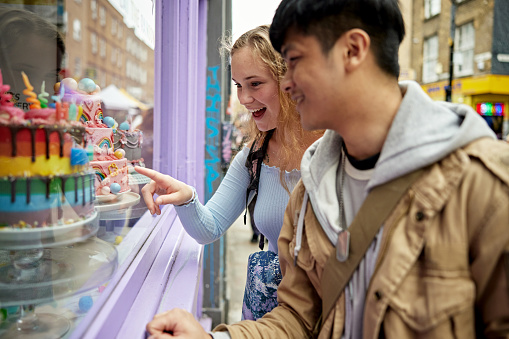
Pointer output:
x,y
176,323
168,189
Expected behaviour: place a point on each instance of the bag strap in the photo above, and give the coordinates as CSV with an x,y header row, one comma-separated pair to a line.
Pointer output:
x,y
254,162
376,208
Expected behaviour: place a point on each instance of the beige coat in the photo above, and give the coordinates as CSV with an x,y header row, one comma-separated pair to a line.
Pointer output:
x,y
440,271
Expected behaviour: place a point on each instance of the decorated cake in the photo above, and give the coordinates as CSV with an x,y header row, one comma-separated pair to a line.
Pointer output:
x,y
110,166
45,179
130,141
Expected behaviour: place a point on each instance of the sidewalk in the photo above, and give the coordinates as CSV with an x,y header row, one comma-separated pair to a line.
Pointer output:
x,y
238,248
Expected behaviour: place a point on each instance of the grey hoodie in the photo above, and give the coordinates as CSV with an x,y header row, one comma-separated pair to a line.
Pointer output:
x,y
423,132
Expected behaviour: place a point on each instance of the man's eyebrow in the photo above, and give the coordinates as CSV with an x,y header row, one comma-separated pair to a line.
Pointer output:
x,y
285,50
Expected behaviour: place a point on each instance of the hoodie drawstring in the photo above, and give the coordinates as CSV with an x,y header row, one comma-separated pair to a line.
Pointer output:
x,y
300,228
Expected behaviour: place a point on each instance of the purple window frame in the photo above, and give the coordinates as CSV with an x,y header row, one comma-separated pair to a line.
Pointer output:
x,y
164,270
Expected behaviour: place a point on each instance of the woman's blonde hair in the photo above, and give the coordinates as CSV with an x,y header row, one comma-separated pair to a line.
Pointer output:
x,y
289,131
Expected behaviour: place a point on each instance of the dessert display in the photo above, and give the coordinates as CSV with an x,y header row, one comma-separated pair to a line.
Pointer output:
x,y
129,140
45,178
110,166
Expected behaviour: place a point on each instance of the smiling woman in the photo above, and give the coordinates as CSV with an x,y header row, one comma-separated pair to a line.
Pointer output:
x,y
279,143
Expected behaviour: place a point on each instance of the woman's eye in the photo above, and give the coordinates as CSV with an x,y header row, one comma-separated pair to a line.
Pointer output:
x,y
254,84
238,85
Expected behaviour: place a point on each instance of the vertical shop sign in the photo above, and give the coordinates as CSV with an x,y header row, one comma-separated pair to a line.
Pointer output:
x,y
212,125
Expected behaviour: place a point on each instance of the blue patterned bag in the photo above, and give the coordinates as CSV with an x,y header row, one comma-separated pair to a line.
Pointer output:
x,y
263,278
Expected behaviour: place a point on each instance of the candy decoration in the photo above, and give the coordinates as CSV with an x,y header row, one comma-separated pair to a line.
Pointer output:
x,y
115,188
105,190
124,126
5,98
109,121
78,156
119,153
118,239
90,152
32,97
58,98
87,85
70,84
43,95
73,111
85,303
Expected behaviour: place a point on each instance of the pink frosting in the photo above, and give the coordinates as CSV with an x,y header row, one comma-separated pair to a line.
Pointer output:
x,y
12,112
47,114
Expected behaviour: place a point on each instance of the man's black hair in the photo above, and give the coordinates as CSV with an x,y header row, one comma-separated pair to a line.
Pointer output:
x,y
327,20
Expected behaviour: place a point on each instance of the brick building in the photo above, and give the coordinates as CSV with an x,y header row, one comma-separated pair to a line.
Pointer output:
x,y
102,47
480,58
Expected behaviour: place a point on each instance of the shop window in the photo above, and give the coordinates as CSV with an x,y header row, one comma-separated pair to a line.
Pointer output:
x,y
430,58
431,8
464,43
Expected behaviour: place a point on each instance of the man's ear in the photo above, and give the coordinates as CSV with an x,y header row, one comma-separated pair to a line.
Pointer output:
x,y
357,43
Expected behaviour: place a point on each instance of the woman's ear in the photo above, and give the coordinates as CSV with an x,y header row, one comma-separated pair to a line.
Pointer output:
x,y
357,43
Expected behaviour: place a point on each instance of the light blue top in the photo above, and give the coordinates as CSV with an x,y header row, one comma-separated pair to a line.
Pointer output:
x,y
207,223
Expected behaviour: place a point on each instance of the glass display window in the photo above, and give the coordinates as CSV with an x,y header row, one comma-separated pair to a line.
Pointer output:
x,y
82,88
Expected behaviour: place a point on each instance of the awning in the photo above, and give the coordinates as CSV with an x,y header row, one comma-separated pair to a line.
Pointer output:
x,y
114,99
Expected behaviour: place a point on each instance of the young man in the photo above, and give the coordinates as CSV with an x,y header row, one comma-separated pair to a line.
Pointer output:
x,y
435,268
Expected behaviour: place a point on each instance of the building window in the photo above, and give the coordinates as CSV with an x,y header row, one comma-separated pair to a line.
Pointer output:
x,y
93,9
77,67
464,43
102,48
76,30
93,42
431,8
429,59
113,27
102,16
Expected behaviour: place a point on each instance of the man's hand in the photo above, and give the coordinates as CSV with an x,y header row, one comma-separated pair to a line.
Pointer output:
x,y
176,323
168,189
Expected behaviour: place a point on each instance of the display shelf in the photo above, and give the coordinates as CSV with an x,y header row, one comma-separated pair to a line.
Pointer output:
x,y
57,272
31,277
128,200
110,198
30,238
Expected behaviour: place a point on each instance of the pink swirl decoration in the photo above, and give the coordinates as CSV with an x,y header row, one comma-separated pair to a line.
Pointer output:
x,y
6,105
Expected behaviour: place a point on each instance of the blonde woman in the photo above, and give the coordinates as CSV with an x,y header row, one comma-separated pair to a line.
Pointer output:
x,y
257,70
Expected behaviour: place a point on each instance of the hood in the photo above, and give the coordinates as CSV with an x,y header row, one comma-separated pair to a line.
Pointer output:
x,y
423,132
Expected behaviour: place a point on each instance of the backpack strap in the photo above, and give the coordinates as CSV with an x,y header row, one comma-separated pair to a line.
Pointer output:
x,y
254,162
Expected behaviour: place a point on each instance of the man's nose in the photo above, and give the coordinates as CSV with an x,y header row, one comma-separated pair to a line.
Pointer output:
x,y
286,83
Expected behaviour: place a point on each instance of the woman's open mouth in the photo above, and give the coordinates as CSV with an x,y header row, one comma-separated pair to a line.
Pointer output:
x,y
259,112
